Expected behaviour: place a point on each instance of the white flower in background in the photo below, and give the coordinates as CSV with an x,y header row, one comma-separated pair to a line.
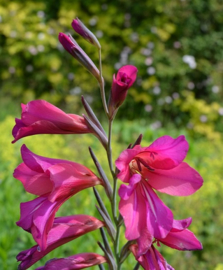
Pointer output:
x,y
190,60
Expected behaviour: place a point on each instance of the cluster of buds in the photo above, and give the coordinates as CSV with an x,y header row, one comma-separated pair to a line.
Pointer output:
x,y
148,221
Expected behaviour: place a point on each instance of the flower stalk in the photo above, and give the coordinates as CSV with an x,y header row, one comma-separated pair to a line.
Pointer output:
x,y
147,220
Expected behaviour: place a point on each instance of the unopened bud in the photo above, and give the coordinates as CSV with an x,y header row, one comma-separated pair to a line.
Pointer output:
x,y
75,50
125,78
83,31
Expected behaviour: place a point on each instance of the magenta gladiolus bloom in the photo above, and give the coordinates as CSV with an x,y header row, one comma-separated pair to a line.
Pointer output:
x,y
41,117
159,166
75,50
55,181
125,78
64,229
54,178
178,238
79,261
151,260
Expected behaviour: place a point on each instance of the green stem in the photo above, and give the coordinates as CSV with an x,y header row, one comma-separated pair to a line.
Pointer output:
x,y
136,266
113,203
109,156
109,149
116,248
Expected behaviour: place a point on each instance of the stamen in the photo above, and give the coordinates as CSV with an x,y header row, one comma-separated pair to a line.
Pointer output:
x,y
139,160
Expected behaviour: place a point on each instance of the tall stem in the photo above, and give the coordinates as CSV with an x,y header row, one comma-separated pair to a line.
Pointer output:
x,y
101,83
109,156
113,203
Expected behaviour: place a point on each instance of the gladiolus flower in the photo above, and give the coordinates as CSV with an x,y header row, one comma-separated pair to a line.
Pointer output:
x,y
75,50
159,166
125,78
64,229
79,261
54,178
178,238
55,181
41,117
151,260
83,31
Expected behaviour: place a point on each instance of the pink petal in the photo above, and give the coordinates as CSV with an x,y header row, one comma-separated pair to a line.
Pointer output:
x,y
39,163
37,110
130,71
37,217
41,117
67,181
79,261
130,211
174,148
180,225
27,209
180,181
125,191
33,182
64,229
159,216
182,240
151,260
133,211
122,163
43,220
165,153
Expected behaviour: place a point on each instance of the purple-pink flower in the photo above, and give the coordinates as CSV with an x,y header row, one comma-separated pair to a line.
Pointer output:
x,y
78,261
151,260
41,117
179,238
54,178
55,181
125,78
64,229
159,166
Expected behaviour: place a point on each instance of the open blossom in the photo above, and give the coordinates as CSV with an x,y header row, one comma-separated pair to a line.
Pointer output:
x,y
55,181
78,261
125,78
151,260
179,238
41,117
64,229
159,166
54,178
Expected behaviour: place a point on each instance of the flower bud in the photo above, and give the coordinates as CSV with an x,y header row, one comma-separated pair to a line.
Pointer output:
x,y
83,31
75,50
125,78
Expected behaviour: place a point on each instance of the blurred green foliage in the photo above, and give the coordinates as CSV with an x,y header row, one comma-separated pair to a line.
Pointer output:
x,y
205,206
154,35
